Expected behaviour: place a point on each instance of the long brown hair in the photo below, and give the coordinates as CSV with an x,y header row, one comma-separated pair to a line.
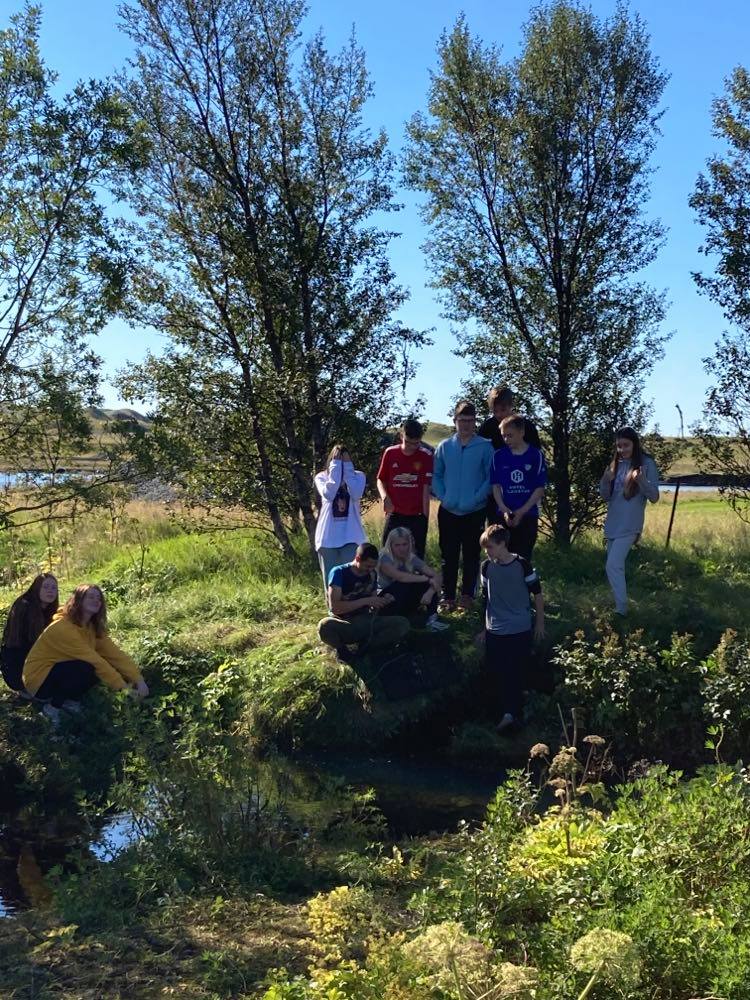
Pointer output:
x,y
28,617
73,608
630,487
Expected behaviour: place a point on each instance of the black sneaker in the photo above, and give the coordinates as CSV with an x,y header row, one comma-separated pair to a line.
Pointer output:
x,y
345,655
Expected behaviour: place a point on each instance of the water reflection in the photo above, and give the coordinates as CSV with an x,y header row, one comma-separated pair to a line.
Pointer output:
x,y
30,849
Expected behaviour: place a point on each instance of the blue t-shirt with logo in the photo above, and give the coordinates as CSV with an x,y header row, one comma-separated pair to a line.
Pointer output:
x,y
353,585
519,476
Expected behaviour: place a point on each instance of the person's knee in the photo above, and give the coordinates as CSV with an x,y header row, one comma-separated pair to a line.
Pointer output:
x,y
325,633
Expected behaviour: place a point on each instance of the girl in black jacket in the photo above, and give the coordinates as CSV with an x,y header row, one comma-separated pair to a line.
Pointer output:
x,y
29,616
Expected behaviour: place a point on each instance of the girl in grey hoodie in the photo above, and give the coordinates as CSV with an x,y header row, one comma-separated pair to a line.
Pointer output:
x,y
628,482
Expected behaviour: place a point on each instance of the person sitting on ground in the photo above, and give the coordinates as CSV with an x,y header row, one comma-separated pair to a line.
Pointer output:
x,y
29,616
507,581
518,477
75,652
354,619
339,529
413,585
404,481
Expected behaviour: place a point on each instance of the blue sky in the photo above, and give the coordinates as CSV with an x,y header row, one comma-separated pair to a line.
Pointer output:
x,y
698,44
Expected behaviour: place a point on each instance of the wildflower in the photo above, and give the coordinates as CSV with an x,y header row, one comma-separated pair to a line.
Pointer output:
x,y
448,952
539,750
595,741
565,763
610,956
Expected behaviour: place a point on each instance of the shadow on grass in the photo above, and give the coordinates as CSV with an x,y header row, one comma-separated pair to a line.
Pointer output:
x,y
699,591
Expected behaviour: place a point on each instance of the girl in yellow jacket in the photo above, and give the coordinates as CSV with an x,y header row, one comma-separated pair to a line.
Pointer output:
x,y
75,651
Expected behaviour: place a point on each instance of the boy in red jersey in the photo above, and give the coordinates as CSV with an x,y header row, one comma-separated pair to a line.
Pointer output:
x,y
404,480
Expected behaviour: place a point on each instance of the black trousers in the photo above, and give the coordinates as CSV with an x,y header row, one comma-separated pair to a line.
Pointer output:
x,y
459,536
523,536
67,680
11,664
407,597
417,525
507,661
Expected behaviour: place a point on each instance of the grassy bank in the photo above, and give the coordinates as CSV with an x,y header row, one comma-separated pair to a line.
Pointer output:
x,y
237,843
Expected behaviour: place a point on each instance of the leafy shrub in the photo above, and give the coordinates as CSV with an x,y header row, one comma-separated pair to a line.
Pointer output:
x,y
643,698
726,693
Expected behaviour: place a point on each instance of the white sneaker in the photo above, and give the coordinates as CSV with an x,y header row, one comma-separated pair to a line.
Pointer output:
x,y
505,723
53,714
434,624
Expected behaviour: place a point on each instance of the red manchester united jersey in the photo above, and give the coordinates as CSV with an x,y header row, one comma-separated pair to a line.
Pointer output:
x,y
405,477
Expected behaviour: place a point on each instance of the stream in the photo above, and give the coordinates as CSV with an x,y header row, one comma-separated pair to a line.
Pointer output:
x,y
416,796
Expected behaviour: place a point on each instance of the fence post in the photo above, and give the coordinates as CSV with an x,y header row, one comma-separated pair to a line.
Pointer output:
x,y
674,508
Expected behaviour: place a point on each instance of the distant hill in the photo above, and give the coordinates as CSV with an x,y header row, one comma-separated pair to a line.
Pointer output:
x,y
97,413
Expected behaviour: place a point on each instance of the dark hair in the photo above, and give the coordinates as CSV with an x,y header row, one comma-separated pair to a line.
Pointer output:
x,y
28,617
500,394
514,420
366,550
412,428
496,533
73,608
630,487
464,408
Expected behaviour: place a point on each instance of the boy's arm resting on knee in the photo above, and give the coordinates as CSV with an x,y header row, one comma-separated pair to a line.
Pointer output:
x,y
341,607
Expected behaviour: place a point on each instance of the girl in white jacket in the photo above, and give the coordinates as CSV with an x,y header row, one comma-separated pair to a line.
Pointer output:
x,y
339,530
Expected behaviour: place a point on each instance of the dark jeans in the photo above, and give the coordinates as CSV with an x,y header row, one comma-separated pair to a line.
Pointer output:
x,y
417,525
407,598
459,536
507,660
492,514
67,680
11,664
523,536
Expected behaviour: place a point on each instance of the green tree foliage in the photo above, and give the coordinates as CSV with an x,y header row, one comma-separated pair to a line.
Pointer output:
x,y
260,259
536,171
61,269
722,202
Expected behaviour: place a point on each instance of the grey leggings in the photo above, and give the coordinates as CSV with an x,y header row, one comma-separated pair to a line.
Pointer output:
x,y
617,553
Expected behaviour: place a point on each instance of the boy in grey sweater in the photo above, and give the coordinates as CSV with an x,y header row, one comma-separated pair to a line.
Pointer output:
x,y
508,582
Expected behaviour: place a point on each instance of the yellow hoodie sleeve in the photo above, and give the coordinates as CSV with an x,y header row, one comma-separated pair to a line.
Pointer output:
x,y
62,640
120,660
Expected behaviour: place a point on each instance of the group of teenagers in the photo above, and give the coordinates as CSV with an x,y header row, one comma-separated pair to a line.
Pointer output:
x,y
489,481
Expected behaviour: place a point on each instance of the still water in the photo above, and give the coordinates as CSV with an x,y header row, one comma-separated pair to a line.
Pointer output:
x,y
415,795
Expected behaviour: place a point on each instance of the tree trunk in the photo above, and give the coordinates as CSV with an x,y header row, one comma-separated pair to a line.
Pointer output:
x,y
561,453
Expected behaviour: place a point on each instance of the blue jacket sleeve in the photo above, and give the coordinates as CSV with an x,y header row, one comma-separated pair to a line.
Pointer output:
x,y
438,474
485,467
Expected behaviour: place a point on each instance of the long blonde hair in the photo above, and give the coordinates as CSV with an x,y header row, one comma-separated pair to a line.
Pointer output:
x,y
397,535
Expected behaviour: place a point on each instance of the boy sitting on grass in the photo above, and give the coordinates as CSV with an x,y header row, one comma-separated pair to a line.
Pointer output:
x,y
354,603
507,581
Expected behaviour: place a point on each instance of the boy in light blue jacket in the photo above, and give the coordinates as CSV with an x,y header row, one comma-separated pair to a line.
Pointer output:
x,y
461,482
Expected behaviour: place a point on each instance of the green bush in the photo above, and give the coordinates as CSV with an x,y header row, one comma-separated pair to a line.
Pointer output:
x,y
643,698
726,693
